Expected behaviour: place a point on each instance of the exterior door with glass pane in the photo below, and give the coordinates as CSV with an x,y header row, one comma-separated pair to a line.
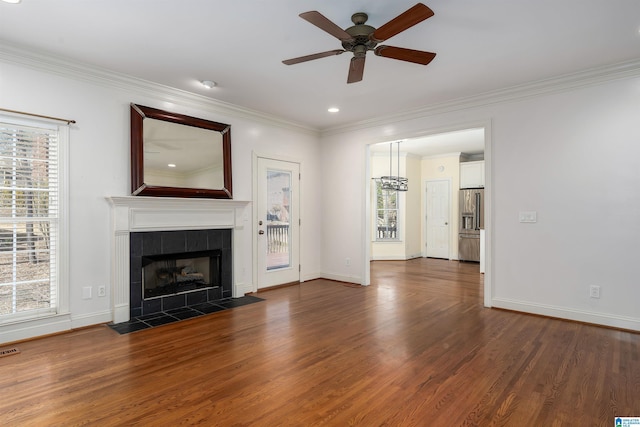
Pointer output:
x,y
278,222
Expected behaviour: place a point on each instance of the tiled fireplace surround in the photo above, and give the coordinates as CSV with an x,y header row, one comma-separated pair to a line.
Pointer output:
x,y
158,243
145,214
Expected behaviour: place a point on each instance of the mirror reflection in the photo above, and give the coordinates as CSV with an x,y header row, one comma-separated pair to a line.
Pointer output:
x,y
182,156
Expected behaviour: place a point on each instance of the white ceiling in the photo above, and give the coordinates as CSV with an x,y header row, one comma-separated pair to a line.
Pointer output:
x,y
481,46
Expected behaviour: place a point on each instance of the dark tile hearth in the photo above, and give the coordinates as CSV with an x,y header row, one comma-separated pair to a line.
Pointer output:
x,y
165,317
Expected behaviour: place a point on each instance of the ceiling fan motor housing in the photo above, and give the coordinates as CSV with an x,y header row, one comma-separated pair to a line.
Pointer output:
x,y
360,42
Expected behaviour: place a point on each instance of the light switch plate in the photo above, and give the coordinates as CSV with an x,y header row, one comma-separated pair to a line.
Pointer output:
x,y
531,216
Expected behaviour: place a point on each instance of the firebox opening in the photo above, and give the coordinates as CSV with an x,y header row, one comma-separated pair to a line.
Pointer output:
x,y
170,274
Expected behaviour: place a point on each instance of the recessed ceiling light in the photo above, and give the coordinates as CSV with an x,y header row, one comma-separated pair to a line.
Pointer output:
x,y
171,165
208,84
333,109
12,1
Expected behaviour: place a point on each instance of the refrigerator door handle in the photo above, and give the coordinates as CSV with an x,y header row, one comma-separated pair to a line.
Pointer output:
x,y
478,213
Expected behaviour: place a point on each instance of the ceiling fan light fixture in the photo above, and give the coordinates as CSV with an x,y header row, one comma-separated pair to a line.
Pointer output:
x,y
209,84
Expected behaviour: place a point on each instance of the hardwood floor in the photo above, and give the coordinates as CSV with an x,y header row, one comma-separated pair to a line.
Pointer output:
x,y
416,348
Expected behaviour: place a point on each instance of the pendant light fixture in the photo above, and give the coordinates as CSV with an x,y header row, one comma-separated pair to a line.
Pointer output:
x,y
392,182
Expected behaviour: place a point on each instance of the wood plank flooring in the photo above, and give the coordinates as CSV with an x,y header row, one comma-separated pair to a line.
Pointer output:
x,y
416,348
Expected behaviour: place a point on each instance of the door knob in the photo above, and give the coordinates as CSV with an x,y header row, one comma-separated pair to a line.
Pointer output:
x,y
446,223
261,232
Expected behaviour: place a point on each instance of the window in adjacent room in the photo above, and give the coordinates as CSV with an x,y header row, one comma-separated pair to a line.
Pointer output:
x,y
386,214
31,219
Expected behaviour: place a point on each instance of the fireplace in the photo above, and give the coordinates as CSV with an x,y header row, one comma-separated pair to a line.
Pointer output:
x,y
172,274
178,226
173,269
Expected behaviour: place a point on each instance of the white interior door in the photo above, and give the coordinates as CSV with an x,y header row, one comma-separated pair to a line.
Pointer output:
x,y
438,200
278,216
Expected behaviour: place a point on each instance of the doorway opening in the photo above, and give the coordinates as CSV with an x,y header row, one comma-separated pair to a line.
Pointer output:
x,y
431,162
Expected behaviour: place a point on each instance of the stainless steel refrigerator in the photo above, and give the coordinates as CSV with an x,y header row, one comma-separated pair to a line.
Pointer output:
x,y
471,222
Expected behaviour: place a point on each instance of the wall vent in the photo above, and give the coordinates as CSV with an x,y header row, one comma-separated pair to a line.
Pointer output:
x,y
9,351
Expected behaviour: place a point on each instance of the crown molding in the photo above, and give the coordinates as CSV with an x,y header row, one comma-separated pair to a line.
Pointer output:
x,y
556,84
42,61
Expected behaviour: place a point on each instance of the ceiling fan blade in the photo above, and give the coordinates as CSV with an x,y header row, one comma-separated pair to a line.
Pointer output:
x,y
408,19
312,57
322,22
409,55
356,69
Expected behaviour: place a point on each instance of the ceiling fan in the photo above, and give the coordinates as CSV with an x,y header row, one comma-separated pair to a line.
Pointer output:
x,y
361,38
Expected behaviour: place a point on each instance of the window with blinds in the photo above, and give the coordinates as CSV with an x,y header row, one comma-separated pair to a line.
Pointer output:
x,y
29,221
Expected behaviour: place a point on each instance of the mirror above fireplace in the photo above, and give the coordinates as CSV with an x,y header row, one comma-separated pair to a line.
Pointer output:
x,y
174,155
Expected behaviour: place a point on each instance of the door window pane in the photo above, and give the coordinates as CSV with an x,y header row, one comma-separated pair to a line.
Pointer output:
x,y
278,213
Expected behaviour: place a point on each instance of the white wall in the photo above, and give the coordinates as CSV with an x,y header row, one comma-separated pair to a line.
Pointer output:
x,y
99,162
344,226
414,224
573,158
568,150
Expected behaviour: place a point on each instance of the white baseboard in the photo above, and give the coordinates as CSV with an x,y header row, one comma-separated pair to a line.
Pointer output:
x,y
310,276
50,325
91,319
121,313
241,289
601,319
35,328
395,257
342,278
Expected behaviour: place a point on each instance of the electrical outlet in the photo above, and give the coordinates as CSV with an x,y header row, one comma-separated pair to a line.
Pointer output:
x,y
347,261
102,291
594,291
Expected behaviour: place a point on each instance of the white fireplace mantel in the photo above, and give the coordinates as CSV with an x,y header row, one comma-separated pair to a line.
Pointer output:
x,y
138,213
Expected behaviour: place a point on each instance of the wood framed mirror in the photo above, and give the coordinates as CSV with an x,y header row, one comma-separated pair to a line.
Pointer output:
x,y
174,155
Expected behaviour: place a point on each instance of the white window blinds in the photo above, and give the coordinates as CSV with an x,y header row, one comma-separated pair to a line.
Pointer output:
x,y
29,221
